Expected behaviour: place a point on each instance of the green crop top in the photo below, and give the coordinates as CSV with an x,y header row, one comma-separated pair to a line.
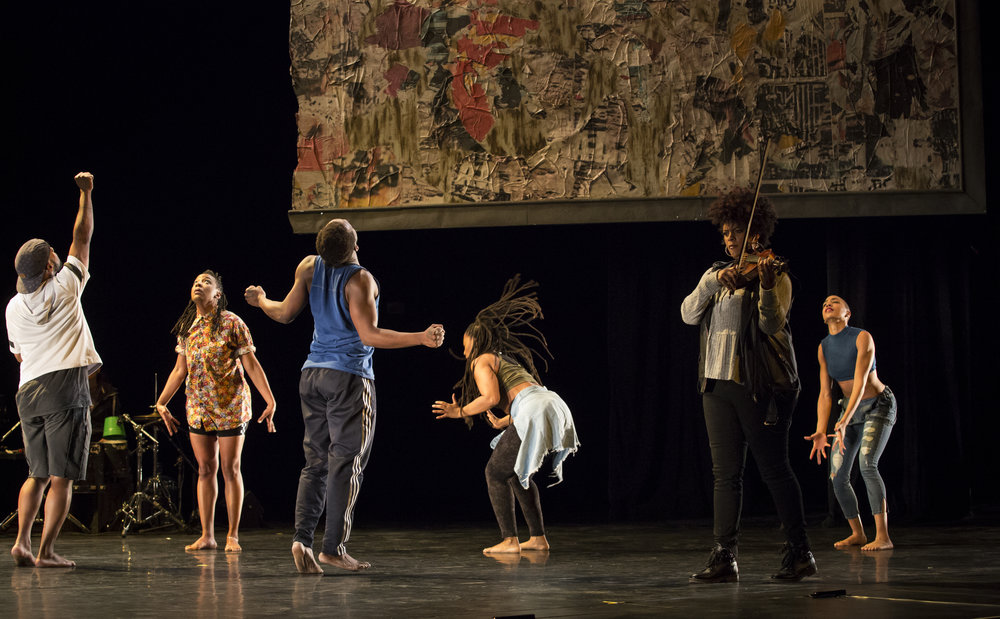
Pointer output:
x,y
511,374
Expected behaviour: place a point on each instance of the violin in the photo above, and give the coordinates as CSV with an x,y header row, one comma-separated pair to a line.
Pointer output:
x,y
746,266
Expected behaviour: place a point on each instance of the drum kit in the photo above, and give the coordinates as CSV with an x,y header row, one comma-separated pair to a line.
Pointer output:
x,y
151,505
154,494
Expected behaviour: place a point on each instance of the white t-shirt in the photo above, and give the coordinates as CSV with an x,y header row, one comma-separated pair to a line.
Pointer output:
x,y
47,327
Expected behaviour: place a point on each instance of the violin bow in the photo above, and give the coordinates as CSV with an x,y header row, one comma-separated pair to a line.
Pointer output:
x,y
756,195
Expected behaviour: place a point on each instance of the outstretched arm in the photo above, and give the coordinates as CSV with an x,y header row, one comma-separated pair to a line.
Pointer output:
x,y
83,228
256,373
361,291
291,306
489,392
862,369
823,405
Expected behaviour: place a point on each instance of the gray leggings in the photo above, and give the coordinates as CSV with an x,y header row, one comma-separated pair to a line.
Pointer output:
x,y
865,441
503,486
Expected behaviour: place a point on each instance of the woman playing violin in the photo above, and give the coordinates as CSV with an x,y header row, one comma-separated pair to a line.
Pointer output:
x,y
749,383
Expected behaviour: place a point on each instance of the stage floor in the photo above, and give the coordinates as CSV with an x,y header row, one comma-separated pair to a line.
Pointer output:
x,y
592,571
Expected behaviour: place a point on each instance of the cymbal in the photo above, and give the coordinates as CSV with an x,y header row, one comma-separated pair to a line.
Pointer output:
x,y
146,418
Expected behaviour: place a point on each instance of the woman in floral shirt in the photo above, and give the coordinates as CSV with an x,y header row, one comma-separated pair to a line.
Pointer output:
x,y
214,349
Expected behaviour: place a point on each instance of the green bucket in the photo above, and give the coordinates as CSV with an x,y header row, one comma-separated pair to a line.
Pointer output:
x,y
114,430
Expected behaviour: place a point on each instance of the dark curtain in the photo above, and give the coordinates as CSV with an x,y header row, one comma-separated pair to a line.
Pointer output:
x,y
913,283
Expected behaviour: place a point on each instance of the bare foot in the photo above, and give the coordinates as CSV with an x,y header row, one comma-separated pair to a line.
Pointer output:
x,y
344,561
305,562
233,544
53,560
878,544
202,543
509,544
537,542
22,556
852,540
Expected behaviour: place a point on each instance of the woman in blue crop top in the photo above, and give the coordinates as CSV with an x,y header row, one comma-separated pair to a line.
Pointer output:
x,y
847,357
500,373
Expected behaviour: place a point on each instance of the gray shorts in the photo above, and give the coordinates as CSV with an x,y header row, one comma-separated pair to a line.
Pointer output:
x,y
58,444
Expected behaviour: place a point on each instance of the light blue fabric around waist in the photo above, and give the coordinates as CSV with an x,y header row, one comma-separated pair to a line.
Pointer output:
x,y
545,425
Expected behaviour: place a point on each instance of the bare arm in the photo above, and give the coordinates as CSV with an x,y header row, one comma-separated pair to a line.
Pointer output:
x,y
83,228
823,405
288,309
174,381
862,368
489,392
498,423
361,291
256,373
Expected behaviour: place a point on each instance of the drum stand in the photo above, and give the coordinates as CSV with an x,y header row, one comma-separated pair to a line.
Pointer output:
x,y
154,491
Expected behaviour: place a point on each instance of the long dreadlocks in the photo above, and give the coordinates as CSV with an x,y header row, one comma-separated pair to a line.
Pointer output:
x,y
183,324
504,328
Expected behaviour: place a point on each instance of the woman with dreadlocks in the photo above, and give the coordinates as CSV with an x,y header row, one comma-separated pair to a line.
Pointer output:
x,y
500,373
214,349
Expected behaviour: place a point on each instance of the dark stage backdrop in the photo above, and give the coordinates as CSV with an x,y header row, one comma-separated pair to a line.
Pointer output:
x,y
186,115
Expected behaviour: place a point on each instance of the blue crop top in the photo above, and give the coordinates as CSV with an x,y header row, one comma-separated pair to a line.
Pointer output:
x,y
841,354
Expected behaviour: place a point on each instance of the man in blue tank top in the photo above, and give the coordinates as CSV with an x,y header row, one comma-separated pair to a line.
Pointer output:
x,y
337,387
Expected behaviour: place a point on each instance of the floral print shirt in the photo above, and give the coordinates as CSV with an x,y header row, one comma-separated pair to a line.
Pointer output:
x,y
218,396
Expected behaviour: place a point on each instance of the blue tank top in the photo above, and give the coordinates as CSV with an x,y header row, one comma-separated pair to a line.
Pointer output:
x,y
841,353
336,344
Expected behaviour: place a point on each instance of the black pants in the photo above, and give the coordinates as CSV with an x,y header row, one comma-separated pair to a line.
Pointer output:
x,y
503,486
338,412
734,422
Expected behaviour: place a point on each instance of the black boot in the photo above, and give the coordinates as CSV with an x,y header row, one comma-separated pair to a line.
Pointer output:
x,y
721,567
797,563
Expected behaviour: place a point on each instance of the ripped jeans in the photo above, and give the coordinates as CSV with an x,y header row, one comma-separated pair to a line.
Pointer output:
x,y
864,438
